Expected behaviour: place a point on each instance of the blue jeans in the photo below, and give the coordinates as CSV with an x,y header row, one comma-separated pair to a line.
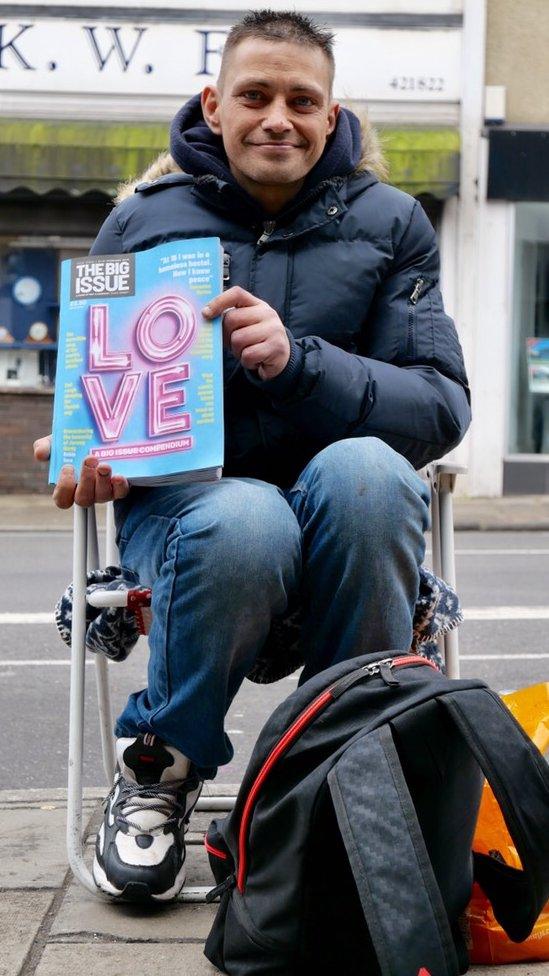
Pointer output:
x,y
224,558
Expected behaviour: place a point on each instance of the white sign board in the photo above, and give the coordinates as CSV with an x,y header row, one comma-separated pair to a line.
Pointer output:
x,y
83,57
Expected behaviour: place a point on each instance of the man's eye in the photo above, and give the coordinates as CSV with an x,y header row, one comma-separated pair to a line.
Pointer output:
x,y
304,101
252,96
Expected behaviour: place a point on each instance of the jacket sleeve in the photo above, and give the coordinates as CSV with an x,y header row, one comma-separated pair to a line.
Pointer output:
x,y
109,238
409,386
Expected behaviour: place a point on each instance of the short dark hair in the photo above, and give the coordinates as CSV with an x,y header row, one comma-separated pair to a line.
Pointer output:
x,y
285,25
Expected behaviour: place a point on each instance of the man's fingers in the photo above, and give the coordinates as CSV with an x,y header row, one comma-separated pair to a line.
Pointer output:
x,y
96,484
103,483
42,448
232,298
253,356
239,318
120,487
63,493
250,336
85,491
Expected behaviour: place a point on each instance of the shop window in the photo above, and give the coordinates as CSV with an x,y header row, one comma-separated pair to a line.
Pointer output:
x,y
29,310
529,427
28,315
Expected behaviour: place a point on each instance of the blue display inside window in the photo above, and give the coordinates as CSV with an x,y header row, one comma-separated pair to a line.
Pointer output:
x,y
28,296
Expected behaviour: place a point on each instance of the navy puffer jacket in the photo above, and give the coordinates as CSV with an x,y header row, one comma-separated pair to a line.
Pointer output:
x,y
351,267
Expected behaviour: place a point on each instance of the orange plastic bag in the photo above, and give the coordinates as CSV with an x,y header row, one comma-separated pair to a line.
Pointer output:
x,y
486,940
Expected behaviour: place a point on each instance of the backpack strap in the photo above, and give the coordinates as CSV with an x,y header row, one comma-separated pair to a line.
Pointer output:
x,y
519,777
400,897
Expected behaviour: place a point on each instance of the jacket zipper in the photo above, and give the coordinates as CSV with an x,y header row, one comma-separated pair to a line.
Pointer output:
x,y
226,267
268,228
418,287
412,302
383,668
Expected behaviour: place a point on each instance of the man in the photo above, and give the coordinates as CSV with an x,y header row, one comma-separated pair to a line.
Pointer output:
x,y
342,375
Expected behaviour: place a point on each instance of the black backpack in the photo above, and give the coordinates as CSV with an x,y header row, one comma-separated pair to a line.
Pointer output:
x,y
349,847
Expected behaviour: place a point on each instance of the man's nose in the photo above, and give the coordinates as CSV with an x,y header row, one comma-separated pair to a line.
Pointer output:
x,y
276,118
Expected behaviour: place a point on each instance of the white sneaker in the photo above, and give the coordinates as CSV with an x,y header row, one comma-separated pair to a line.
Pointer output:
x,y
140,847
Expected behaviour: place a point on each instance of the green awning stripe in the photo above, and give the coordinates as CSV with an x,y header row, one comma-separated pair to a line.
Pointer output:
x,y
78,157
423,160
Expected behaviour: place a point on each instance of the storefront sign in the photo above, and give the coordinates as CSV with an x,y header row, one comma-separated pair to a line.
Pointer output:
x,y
166,59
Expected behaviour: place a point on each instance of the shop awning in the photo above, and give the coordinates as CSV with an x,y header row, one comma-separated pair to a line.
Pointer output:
x,y
75,157
423,161
80,157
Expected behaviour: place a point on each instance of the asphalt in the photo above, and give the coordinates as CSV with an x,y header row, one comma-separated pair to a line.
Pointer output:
x,y
512,513
51,925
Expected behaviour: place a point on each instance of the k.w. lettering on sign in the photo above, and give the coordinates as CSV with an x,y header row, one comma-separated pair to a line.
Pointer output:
x,y
10,47
117,46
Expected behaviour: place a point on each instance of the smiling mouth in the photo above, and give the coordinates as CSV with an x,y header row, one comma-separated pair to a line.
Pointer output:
x,y
275,145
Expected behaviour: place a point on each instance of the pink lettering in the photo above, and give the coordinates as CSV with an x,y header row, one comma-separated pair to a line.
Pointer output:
x,y
181,312
162,399
111,418
99,357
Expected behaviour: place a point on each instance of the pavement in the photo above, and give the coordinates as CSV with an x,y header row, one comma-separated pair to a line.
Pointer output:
x,y
52,926
512,513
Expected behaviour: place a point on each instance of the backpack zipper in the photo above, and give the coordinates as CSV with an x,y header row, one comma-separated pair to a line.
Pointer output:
x,y
383,668
220,889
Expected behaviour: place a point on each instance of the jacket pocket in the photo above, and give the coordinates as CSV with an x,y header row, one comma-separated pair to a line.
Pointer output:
x,y
420,324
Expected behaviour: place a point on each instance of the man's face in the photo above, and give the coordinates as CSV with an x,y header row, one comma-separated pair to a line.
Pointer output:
x,y
274,113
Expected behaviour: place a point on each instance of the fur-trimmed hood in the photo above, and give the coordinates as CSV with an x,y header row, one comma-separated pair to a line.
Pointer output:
x,y
371,158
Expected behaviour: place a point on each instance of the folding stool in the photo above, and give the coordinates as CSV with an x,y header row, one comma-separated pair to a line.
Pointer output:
x,y
86,557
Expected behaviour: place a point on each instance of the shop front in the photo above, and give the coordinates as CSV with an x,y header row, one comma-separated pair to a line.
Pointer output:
x,y
72,130
518,166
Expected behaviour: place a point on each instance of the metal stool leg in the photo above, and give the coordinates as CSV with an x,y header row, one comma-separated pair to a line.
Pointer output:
x,y
76,708
443,478
101,663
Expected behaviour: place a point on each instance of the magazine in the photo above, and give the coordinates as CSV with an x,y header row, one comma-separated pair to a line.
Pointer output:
x,y
139,380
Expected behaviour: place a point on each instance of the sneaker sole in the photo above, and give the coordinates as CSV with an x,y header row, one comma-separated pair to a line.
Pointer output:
x,y
135,891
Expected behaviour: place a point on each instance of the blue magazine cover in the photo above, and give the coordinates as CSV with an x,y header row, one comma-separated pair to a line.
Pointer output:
x,y
139,380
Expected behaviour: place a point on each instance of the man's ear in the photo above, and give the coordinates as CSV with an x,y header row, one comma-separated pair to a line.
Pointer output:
x,y
333,113
211,101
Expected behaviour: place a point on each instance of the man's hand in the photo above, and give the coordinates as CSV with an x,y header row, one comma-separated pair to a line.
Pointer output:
x,y
96,484
252,330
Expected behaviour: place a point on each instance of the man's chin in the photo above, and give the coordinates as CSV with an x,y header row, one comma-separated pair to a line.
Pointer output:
x,y
275,176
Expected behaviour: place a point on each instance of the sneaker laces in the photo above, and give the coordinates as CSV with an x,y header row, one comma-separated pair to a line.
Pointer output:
x,y
158,798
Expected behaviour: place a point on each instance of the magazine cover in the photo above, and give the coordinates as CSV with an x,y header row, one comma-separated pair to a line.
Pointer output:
x,y
139,380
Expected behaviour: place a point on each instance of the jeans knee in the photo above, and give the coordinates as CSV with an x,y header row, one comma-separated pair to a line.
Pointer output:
x,y
363,475
244,532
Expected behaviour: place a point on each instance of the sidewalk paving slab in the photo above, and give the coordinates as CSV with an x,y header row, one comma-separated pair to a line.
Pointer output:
x,y
21,914
83,915
124,960
33,852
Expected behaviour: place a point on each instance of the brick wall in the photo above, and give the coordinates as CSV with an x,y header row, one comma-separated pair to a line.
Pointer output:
x,y
24,416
